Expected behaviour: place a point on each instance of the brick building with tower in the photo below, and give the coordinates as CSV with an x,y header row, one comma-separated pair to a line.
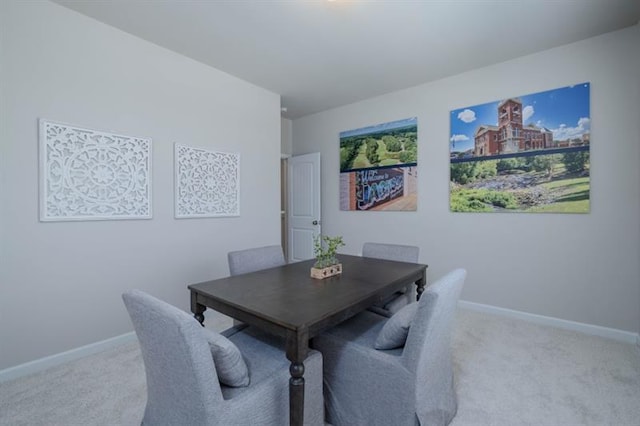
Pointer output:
x,y
510,135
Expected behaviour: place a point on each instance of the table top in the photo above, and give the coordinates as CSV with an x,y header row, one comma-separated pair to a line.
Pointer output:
x,y
290,299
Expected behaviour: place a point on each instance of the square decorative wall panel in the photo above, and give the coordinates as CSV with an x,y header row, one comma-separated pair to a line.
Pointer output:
x,y
92,175
207,183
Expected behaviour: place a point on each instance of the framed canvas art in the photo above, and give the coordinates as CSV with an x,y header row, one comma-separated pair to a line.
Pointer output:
x,y
379,167
523,154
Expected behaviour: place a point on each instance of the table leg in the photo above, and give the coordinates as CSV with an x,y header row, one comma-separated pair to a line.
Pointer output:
x,y
296,394
197,309
297,348
420,289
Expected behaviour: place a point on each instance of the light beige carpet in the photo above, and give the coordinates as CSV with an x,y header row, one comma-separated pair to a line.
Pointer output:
x,y
508,372
512,372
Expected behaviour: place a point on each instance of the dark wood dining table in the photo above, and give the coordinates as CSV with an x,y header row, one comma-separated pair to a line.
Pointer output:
x,y
287,302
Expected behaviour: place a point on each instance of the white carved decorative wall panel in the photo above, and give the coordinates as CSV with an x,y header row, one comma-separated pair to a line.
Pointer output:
x,y
207,183
91,175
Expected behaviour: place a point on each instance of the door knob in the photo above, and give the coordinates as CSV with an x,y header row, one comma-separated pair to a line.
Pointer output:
x,y
315,222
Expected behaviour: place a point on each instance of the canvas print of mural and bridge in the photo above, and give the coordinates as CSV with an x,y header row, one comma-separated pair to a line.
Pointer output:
x,y
379,167
523,154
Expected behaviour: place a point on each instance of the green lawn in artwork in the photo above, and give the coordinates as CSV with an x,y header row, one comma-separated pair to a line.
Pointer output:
x,y
481,200
397,146
569,195
541,183
573,196
361,161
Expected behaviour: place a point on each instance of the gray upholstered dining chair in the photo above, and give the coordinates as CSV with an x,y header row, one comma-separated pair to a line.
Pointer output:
x,y
196,376
255,259
400,253
394,371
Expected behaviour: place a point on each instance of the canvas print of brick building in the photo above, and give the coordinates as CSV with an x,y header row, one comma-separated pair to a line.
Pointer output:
x,y
379,167
522,154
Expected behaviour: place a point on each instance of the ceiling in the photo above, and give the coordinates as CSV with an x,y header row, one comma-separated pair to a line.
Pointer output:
x,y
320,54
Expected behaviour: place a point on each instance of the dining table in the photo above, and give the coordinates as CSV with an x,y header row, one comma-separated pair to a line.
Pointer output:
x,y
286,301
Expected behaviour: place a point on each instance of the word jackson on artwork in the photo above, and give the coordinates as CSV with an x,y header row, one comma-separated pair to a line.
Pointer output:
x,y
523,154
379,167
93,175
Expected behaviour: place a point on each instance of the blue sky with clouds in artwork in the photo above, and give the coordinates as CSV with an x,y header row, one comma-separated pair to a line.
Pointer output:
x,y
413,121
564,111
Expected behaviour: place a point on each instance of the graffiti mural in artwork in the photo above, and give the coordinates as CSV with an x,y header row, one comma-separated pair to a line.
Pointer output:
x,y
528,153
379,167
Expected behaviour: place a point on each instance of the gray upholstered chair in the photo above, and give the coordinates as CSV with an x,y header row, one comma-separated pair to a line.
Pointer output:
x,y
399,253
184,381
255,259
410,384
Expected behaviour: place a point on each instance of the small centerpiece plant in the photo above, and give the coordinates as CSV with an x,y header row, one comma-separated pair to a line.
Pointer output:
x,y
324,249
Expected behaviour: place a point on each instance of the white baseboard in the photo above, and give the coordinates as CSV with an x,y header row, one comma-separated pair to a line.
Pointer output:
x,y
595,330
77,353
63,357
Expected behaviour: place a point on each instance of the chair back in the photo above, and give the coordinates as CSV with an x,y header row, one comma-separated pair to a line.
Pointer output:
x,y
182,384
427,352
397,252
255,259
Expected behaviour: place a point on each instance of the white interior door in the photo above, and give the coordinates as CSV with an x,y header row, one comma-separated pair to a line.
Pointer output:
x,y
304,205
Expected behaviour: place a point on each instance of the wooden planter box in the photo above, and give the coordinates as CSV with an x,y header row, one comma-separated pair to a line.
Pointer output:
x,y
327,272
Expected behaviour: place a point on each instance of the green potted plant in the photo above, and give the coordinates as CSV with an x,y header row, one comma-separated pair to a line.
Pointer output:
x,y
324,249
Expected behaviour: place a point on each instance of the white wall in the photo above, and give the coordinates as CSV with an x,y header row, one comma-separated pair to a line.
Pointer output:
x,y
60,283
582,268
286,143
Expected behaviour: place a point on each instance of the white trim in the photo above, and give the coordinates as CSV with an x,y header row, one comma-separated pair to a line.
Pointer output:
x,y
93,348
64,357
595,330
